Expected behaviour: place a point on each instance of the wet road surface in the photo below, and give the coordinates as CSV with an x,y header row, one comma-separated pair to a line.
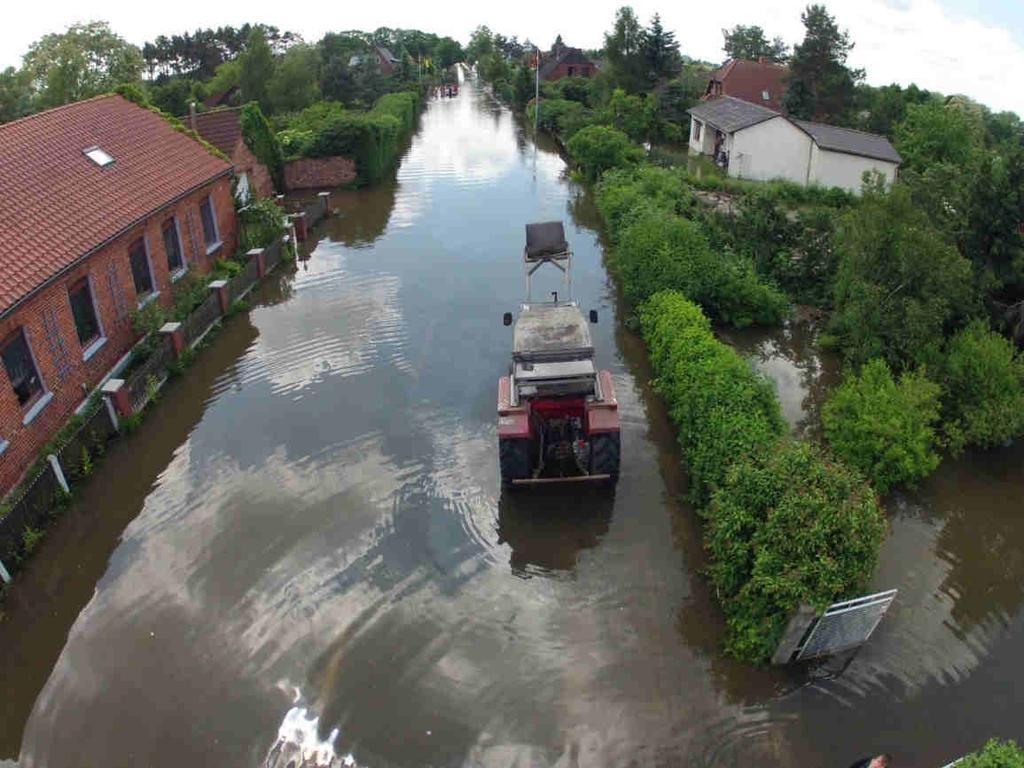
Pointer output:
x,y
307,537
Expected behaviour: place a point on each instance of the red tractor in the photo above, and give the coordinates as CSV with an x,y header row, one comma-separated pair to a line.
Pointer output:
x,y
558,419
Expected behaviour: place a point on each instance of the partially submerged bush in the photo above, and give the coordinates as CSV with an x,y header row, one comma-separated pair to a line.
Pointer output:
x,y
983,376
788,526
560,117
597,148
884,427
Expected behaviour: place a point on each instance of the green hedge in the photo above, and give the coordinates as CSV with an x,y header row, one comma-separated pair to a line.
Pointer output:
x,y
560,117
722,408
374,138
786,525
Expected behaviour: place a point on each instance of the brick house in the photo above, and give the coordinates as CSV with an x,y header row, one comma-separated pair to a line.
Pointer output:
x,y
758,82
222,128
567,62
103,205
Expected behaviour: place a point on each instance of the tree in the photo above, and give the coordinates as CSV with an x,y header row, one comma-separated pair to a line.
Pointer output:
x,y
83,61
884,427
900,285
660,51
256,69
743,42
933,133
523,86
447,52
481,42
624,49
15,94
821,86
295,82
172,96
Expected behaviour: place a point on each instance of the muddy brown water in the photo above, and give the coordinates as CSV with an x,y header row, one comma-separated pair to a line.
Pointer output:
x,y
306,541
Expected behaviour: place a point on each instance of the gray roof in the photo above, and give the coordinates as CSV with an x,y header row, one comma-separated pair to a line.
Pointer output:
x,y
850,141
729,115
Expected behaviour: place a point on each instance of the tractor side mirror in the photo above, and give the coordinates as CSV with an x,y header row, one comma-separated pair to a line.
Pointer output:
x,y
593,315
506,319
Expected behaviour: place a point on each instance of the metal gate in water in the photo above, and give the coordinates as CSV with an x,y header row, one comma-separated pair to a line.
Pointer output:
x,y
845,625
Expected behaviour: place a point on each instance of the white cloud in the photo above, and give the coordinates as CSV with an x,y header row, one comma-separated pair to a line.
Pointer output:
x,y
900,41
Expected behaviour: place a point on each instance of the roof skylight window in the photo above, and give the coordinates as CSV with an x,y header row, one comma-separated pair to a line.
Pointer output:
x,y
98,156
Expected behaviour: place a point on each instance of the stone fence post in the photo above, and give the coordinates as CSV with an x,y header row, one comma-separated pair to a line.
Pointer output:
x,y
175,336
325,201
299,220
261,261
220,288
118,399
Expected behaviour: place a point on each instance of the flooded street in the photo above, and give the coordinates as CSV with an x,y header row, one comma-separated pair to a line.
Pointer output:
x,y
306,536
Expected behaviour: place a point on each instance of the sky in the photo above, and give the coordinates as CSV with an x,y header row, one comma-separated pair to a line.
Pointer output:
x,y
973,47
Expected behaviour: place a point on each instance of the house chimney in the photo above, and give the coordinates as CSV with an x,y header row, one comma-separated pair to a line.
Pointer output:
x,y
192,116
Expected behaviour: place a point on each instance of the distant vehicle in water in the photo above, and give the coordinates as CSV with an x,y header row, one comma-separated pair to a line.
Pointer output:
x,y
558,419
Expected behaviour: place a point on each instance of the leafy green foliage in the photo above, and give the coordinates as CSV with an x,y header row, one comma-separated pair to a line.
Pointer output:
x,y
750,43
597,148
884,427
788,526
560,117
933,133
189,292
899,286
721,407
261,223
85,60
262,141
983,377
658,249
995,754
295,82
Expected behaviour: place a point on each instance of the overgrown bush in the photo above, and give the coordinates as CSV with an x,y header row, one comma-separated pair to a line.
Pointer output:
x,y
722,408
995,754
624,193
884,427
189,292
659,250
560,117
788,526
597,148
260,224
900,286
983,377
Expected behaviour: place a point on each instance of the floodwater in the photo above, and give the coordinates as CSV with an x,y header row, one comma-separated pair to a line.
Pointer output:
x,y
304,550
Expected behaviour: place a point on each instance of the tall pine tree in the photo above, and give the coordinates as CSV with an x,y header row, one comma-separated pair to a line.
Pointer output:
x,y
821,86
660,51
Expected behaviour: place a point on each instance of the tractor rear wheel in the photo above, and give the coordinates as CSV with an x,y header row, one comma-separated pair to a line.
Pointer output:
x,y
514,460
604,455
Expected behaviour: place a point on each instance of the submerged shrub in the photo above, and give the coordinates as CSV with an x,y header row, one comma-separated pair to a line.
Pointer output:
x,y
995,754
788,526
597,148
983,376
884,427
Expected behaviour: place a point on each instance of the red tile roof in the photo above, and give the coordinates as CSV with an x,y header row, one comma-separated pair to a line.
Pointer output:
x,y
57,205
220,127
748,80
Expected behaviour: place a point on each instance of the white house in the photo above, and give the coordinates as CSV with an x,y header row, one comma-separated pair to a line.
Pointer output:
x,y
754,142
